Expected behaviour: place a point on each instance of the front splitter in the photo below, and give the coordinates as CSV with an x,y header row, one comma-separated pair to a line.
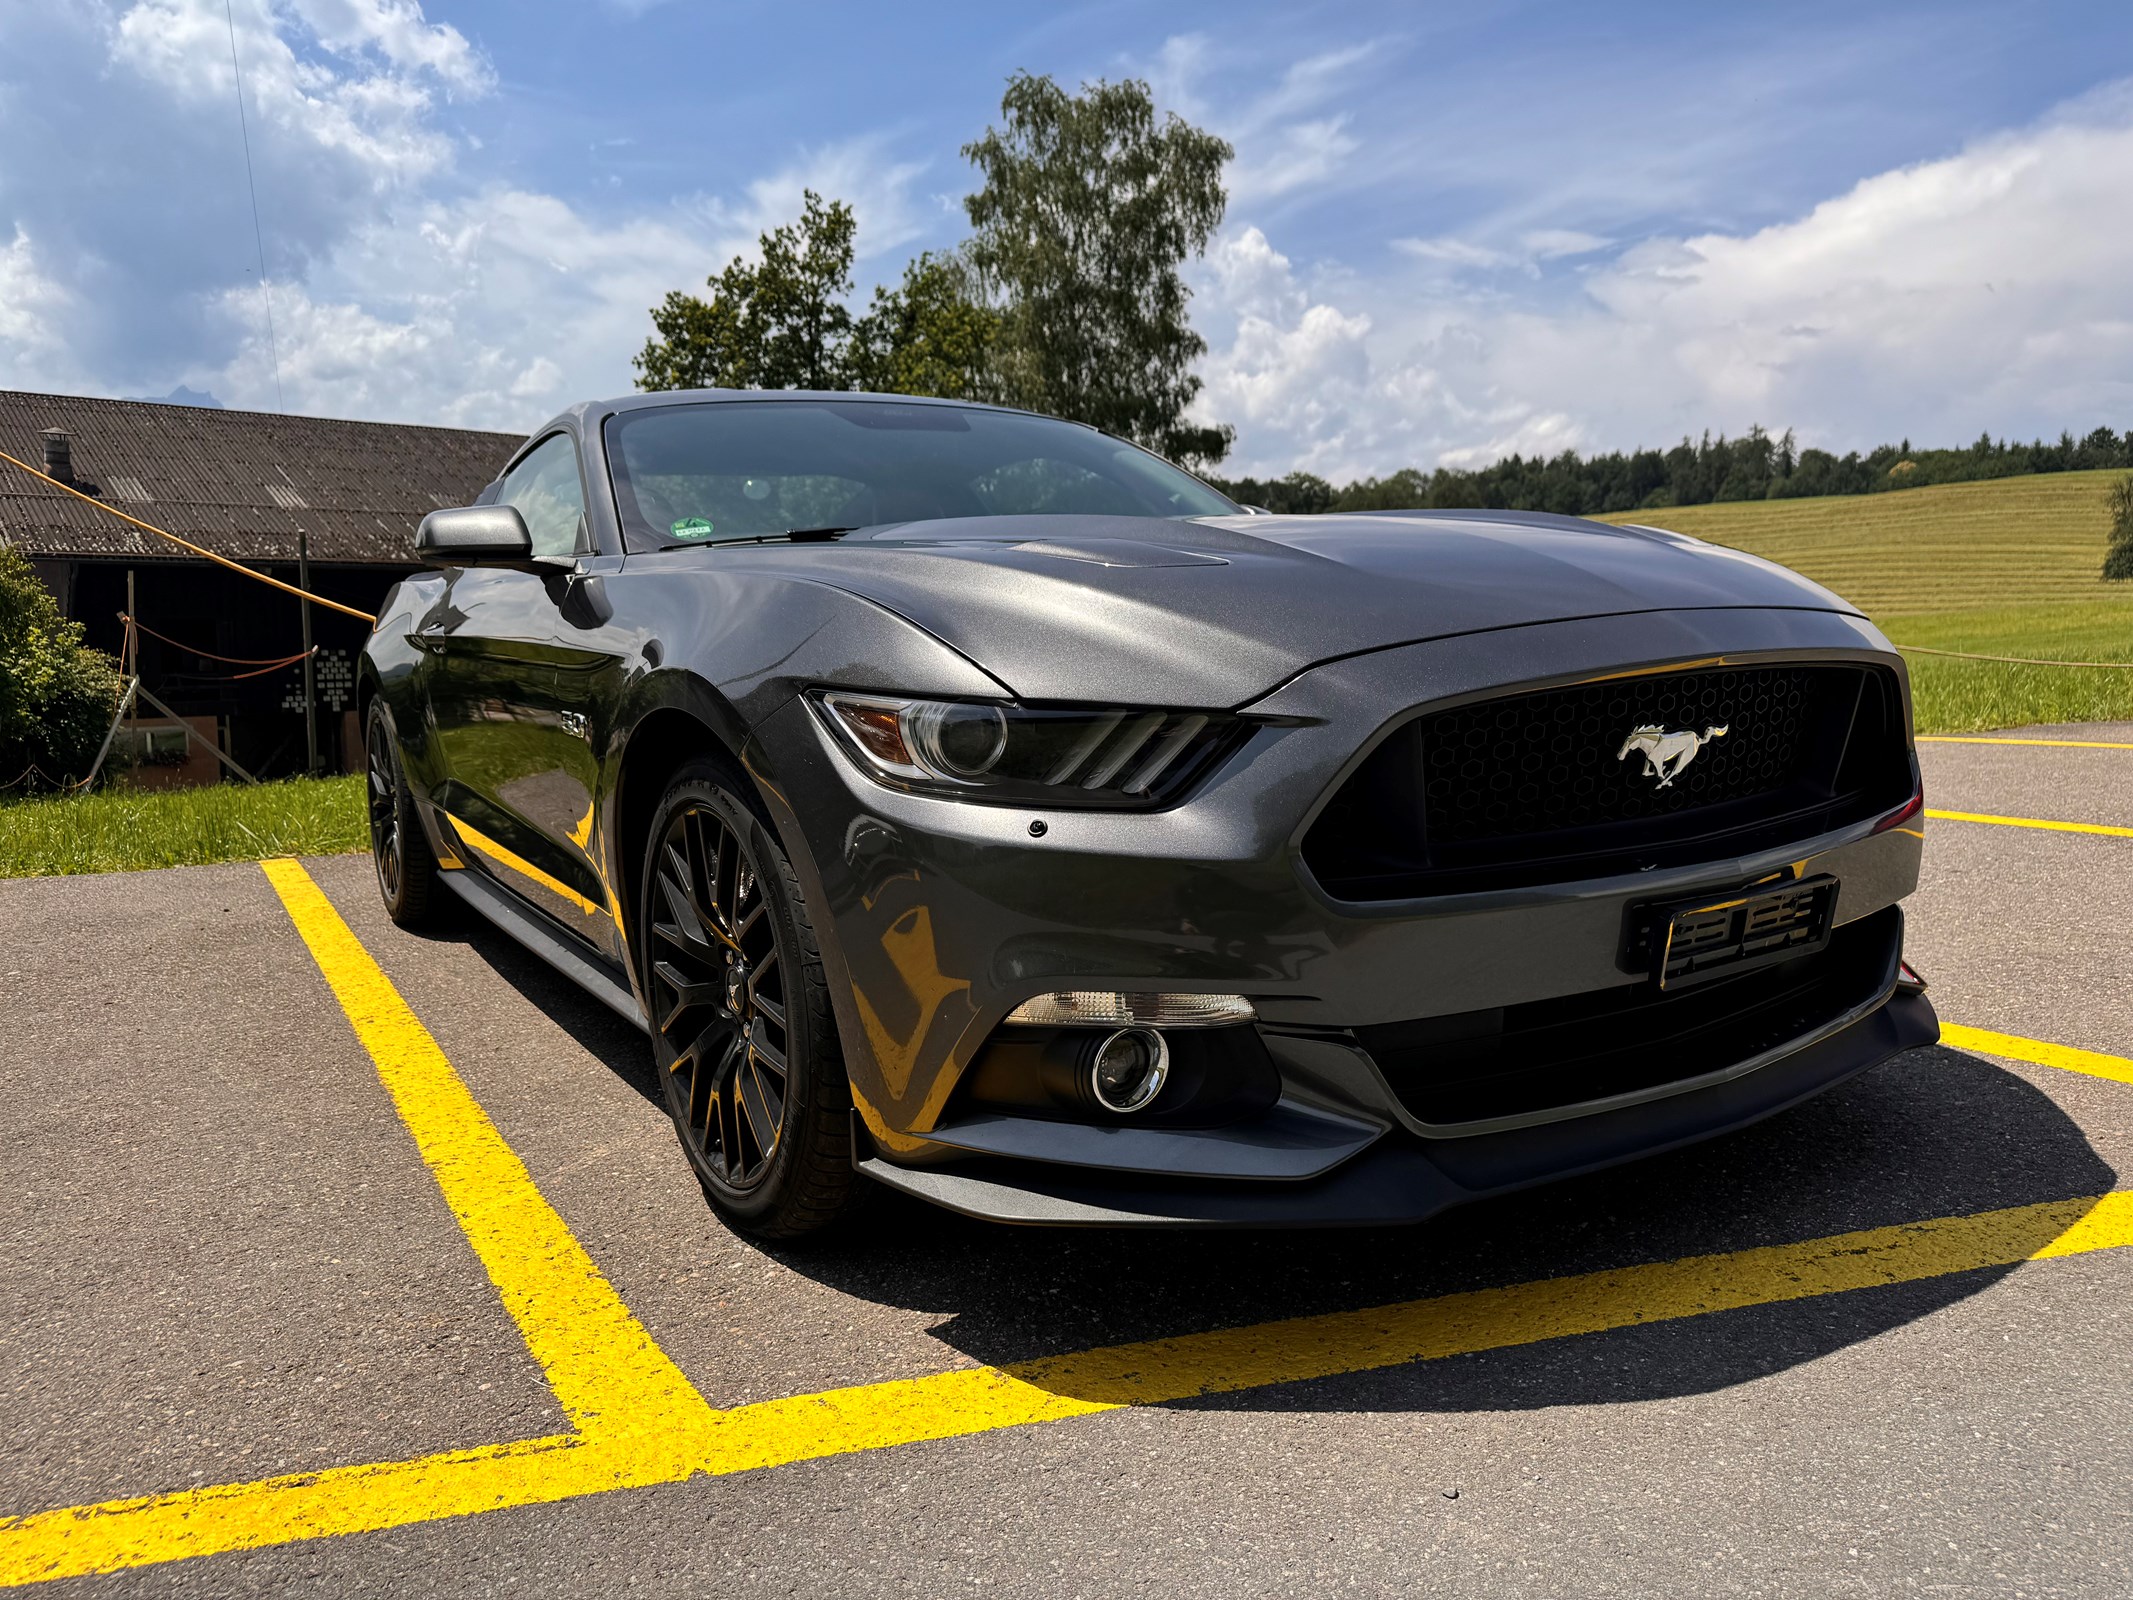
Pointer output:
x,y
1406,1180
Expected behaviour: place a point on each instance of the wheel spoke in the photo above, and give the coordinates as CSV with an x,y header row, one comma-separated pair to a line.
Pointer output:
x,y
762,1115
686,992
715,983
771,1055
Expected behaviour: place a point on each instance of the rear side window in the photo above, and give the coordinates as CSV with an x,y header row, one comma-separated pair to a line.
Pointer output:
x,y
548,493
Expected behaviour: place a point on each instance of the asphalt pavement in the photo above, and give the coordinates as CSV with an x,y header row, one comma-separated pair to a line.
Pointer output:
x,y
227,1261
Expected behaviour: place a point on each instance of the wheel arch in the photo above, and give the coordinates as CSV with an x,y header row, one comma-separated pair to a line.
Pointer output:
x,y
688,720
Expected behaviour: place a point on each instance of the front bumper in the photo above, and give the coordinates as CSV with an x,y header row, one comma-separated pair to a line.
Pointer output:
x,y
1401,1178
939,918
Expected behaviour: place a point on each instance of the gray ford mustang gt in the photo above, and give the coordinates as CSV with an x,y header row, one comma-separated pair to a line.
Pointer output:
x,y
968,801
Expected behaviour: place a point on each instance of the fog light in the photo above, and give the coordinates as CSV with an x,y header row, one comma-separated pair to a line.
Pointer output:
x,y
1128,1069
1100,1008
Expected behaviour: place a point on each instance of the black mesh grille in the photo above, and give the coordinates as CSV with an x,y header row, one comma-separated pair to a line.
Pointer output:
x,y
1550,785
1548,761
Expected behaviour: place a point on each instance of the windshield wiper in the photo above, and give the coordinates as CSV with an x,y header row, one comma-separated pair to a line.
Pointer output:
x,y
793,535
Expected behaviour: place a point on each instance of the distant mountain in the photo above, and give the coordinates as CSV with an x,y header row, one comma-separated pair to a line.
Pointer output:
x,y
180,396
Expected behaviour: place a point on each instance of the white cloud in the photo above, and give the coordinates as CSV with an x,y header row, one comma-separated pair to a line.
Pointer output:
x,y
397,30
1288,137
1985,290
861,172
490,312
371,114
403,286
35,311
1549,244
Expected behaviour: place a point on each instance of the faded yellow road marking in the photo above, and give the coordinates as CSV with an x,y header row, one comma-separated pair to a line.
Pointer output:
x,y
2032,822
2067,744
638,1421
2035,1051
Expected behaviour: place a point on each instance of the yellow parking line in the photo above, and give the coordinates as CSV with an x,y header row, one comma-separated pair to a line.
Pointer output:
x,y
636,1419
2037,1053
2065,744
2032,822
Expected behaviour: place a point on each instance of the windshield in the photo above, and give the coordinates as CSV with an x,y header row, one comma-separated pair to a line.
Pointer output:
x,y
714,472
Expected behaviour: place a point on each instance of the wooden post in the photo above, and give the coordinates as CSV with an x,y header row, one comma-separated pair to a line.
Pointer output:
x,y
303,582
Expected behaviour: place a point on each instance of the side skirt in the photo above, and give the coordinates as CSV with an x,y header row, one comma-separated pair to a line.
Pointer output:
x,y
560,952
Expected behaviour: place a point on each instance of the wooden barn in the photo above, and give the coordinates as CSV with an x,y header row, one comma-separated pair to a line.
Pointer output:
x,y
246,485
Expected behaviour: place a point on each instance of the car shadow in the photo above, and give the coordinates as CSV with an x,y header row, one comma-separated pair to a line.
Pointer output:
x,y
1934,1133
616,1044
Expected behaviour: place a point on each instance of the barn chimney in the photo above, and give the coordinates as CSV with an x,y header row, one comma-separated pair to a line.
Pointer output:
x,y
58,455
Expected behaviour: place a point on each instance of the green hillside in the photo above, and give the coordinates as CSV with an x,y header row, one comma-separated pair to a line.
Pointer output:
x,y
1961,545
2007,567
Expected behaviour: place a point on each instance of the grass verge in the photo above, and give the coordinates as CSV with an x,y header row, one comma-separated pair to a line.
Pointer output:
x,y
124,830
1966,696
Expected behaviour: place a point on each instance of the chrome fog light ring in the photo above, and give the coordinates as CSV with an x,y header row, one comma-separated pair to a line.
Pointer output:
x,y
1128,1068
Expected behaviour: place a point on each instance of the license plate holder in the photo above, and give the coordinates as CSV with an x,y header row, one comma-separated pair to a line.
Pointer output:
x,y
1725,934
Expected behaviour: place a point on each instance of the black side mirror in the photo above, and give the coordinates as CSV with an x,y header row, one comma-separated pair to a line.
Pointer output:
x,y
474,536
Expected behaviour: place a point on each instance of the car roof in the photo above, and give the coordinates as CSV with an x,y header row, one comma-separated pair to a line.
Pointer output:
x,y
671,397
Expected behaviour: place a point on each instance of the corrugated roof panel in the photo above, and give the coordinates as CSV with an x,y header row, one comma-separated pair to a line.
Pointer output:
x,y
226,480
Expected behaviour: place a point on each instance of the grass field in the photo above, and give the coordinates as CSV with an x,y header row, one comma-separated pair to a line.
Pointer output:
x,y
125,829
1956,547
2001,568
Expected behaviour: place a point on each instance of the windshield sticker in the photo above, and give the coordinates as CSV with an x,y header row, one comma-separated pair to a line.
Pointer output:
x,y
691,528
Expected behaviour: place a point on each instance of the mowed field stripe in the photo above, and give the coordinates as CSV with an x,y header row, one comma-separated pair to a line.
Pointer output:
x,y
2046,823
638,1421
2064,744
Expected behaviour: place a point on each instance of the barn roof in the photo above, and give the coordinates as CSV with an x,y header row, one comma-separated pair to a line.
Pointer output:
x,y
239,483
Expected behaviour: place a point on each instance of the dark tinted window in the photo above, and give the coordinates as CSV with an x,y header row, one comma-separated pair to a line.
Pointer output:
x,y
728,470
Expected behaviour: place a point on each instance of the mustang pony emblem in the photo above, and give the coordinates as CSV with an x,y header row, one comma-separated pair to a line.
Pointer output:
x,y
1666,753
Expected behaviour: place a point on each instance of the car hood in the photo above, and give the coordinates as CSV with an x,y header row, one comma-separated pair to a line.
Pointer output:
x,y
1218,611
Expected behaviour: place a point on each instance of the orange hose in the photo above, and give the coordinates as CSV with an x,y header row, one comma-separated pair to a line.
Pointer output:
x,y
220,561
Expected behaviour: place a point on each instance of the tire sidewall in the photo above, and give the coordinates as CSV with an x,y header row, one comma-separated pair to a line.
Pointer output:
x,y
378,729
707,786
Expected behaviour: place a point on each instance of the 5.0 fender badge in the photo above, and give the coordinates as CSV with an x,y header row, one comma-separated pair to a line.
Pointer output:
x,y
1667,752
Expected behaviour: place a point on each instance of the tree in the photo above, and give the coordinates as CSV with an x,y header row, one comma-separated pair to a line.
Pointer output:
x,y
2118,564
930,334
56,695
780,322
1086,211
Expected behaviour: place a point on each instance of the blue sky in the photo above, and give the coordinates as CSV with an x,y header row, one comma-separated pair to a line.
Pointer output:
x,y
1454,230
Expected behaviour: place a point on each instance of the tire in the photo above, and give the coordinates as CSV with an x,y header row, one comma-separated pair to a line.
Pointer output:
x,y
399,849
742,1036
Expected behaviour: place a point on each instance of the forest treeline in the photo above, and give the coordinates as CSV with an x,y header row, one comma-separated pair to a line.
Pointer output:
x,y
1755,466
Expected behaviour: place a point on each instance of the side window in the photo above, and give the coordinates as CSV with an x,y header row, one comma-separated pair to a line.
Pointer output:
x,y
548,494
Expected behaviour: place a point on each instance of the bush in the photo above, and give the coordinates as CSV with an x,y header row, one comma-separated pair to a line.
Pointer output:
x,y
2118,564
56,694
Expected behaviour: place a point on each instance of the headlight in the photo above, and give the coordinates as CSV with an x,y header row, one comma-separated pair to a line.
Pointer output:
x,y
1030,755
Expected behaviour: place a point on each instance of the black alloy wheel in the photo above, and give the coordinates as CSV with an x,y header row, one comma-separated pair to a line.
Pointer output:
x,y
385,848
407,870
742,1032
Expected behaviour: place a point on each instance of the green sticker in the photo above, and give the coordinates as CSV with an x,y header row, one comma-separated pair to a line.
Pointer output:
x,y
691,528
